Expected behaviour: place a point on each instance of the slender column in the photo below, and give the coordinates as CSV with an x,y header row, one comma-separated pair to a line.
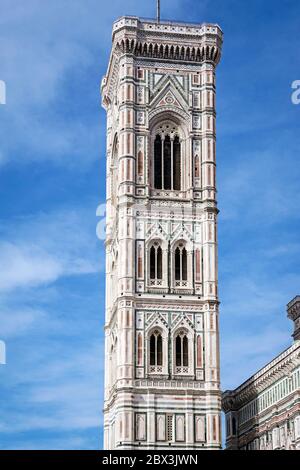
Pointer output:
x,y
172,165
180,265
162,164
182,173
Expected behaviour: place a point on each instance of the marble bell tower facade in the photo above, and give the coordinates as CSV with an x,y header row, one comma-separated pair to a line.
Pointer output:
x,y
162,371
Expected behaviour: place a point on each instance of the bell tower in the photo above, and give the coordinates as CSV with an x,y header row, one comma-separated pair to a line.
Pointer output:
x,y
162,376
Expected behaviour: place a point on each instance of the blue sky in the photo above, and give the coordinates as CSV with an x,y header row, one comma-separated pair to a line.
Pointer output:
x,y
52,166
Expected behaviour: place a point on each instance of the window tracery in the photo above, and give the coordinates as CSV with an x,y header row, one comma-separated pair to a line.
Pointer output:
x,y
167,157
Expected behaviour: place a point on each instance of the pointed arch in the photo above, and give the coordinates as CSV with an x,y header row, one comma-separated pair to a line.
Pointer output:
x,y
156,348
184,348
181,273
159,263
177,163
156,261
158,162
167,156
167,166
181,349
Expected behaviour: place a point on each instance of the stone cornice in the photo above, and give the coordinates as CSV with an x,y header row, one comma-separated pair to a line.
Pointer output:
x,y
150,27
293,310
109,81
167,41
280,367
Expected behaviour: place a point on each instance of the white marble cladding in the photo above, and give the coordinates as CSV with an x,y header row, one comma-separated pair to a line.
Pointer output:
x,y
260,379
162,377
271,396
166,27
264,412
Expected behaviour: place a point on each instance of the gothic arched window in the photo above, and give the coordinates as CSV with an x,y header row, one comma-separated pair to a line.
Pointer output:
x,y
155,261
176,164
180,263
181,350
158,162
156,352
167,160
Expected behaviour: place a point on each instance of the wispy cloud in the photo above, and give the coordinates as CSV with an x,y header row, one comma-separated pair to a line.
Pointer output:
x,y
40,249
26,267
54,348
17,322
53,60
52,127
61,393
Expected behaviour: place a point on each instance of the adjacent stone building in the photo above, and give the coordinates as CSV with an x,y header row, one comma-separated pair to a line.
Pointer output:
x,y
264,412
162,375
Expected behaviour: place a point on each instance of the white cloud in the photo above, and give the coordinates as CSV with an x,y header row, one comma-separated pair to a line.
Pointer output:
x,y
63,392
54,384
14,322
52,60
53,375
46,247
21,266
41,48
